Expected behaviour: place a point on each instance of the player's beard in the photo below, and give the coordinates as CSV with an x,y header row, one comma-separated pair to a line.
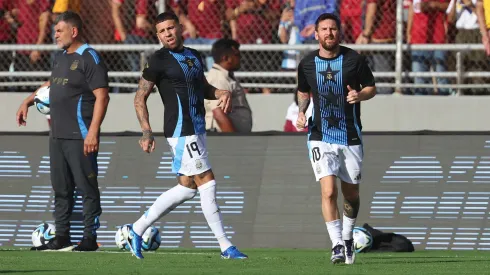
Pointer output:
x,y
61,45
64,47
329,47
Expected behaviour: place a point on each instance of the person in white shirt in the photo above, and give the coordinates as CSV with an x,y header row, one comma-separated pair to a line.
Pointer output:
x,y
463,14
226,55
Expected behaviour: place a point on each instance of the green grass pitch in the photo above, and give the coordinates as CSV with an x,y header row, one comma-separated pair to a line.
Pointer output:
x,y
261,261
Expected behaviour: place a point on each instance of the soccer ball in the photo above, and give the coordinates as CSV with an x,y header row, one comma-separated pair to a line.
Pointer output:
x,y
362,239
151,239
122,236
41,100
43,234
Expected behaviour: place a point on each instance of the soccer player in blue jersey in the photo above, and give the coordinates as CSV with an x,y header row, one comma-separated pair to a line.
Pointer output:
x,y
339,79
177,72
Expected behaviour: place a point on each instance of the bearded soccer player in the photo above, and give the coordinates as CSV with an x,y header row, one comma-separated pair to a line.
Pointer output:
x,y
339,79
178,73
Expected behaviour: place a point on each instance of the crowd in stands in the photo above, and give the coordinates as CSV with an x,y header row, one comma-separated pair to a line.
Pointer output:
x,y
259,22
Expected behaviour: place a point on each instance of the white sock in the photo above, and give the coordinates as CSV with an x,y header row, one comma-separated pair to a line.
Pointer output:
x,y
212,213
335,232
348,227
167,202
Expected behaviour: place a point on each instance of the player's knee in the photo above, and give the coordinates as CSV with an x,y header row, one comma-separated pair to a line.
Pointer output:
x,y
329,194
352,196
204,177
187,182
191,194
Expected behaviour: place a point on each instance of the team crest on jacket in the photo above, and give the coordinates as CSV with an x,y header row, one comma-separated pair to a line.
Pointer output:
x,y
74,65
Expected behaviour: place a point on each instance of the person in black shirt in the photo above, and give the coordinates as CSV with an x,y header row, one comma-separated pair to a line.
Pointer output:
x,y
338,78
78,103
178,73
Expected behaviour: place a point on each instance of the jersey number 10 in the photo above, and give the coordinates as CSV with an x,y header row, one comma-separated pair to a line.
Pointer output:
x,y
315,152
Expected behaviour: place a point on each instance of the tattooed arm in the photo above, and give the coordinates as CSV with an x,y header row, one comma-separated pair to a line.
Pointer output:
x,y
147,141
303,102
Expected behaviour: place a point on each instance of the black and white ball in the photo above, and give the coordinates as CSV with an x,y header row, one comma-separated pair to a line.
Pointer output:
x,y
122,237
43,234
41,100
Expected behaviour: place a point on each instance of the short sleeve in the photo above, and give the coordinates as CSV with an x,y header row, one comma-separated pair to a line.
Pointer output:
x,y
366,77
141,7
45,5
303,85
150,72
231,4
217,80
95,70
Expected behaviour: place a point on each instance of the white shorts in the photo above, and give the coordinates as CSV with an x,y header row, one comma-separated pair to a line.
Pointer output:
x,y
190,156
343,161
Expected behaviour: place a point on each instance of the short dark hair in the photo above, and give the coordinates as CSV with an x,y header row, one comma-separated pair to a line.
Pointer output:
x,y
326,16
223,47
72,18
164,16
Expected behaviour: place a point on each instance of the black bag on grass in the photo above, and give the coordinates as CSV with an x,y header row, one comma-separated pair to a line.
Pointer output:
x,y
388,242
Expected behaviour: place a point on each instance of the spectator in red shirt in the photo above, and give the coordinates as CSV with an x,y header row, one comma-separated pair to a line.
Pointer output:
x,y
135,29
426,25
7,28
202,21
132,25
253,21
351,18
33,19
380,28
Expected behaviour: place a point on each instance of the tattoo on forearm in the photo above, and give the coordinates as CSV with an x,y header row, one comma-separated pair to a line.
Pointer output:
x,y
144,89
145,85
351,208
141,111
303,101
147,135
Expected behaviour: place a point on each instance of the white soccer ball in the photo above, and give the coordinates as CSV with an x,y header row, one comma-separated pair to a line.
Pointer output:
x,y
151,239
43,234
122,236
41,100
363,240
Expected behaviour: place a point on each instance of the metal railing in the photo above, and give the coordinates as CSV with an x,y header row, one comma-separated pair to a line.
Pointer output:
x,y
459,74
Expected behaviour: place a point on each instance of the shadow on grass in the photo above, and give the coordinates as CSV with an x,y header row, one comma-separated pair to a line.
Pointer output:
x,y
29,271
426,261
418,257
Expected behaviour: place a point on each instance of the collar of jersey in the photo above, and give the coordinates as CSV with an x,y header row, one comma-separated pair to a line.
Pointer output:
x,y
324,58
